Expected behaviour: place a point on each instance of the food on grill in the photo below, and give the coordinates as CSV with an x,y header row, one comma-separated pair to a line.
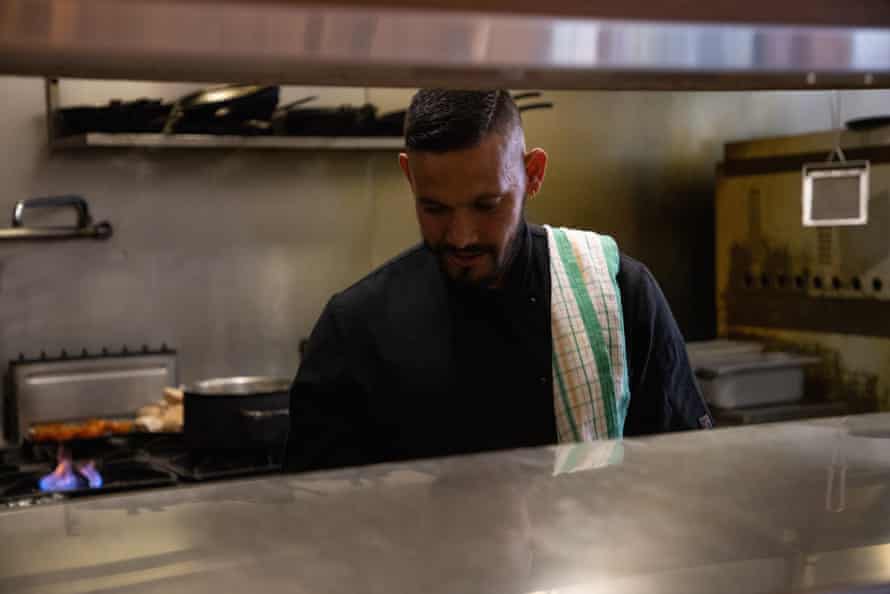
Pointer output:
x,y
151,424
46,432
93,429
121,427
163,415
152,410
89,429
173,396
173,418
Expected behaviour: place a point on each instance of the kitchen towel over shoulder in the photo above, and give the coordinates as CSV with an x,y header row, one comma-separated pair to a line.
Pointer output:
x,y
590,381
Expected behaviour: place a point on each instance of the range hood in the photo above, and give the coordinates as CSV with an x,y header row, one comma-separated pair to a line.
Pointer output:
x,y
568,44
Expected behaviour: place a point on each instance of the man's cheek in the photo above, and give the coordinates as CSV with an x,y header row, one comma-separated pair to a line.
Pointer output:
x,y
429,230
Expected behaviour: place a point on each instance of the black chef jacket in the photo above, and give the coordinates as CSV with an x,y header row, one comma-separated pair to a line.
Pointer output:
x,y
403,364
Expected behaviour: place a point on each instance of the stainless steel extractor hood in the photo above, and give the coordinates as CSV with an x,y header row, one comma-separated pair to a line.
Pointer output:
x,y
572,44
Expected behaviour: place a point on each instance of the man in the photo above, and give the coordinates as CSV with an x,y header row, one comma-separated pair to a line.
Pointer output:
x,y
460,344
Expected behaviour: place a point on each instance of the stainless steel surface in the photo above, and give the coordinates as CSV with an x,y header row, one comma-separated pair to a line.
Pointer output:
x,y
98,139
226,255
239,386
753,509
80,388
291,42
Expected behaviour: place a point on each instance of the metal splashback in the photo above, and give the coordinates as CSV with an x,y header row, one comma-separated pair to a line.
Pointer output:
x,y
566,44
75,388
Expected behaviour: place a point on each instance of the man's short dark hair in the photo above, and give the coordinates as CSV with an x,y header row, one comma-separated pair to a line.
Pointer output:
x,y
441,120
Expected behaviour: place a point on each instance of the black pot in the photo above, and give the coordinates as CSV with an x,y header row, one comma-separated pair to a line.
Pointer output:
x,y
237,413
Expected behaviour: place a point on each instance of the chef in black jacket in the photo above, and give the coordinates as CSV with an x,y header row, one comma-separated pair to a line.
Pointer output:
x,y
446,349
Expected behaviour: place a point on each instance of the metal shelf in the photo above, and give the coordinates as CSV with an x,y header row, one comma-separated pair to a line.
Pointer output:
x,y
209,141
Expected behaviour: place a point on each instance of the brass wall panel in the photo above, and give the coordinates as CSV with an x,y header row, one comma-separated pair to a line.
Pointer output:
x,y
824,291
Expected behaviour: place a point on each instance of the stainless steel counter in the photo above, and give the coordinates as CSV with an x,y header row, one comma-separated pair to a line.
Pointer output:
x,y
773,508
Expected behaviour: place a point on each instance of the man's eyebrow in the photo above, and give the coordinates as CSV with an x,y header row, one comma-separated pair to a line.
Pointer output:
x,y
425,200
487,196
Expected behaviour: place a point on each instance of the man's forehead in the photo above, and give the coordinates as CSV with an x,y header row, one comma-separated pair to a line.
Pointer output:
x,y
491,160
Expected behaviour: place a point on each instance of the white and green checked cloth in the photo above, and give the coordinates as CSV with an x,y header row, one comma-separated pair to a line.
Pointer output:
x,y
590,385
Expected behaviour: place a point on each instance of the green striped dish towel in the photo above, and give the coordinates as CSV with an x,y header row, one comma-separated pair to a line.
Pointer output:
x,y
590,383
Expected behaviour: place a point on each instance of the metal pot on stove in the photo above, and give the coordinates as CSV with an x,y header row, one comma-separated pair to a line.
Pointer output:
x,y
237,413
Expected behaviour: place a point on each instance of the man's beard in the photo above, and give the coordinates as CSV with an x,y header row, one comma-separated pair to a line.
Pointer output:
x,y
463,279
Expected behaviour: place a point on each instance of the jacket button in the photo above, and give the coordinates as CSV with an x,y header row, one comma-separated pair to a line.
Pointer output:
x,y
532,300
542,380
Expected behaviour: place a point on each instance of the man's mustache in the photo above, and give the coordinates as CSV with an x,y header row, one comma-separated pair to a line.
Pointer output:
x,y
470,250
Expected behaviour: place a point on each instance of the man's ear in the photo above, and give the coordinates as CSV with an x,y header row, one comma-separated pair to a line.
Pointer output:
x,y
403,163
535,169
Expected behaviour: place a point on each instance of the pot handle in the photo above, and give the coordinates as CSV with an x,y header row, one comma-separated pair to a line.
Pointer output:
x,y
85,227
76,202
259,415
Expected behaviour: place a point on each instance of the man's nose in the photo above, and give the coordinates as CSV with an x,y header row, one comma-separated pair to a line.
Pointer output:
x,y
461,230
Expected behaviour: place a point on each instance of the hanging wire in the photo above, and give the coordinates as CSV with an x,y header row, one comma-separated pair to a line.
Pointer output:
x,y
834,107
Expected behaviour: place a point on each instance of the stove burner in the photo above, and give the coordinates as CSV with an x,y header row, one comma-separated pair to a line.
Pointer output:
x,y
31,476
116,476
63,478
94,479
68,476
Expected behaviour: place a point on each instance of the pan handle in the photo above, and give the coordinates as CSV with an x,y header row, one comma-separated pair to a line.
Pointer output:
x,y
298,102
259,415
269,427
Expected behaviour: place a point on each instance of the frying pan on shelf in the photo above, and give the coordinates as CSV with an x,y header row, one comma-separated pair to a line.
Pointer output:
x,y
868,124
222,109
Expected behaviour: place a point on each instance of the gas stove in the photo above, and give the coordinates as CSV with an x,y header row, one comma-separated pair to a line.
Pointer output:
x,y
139,461
103,385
